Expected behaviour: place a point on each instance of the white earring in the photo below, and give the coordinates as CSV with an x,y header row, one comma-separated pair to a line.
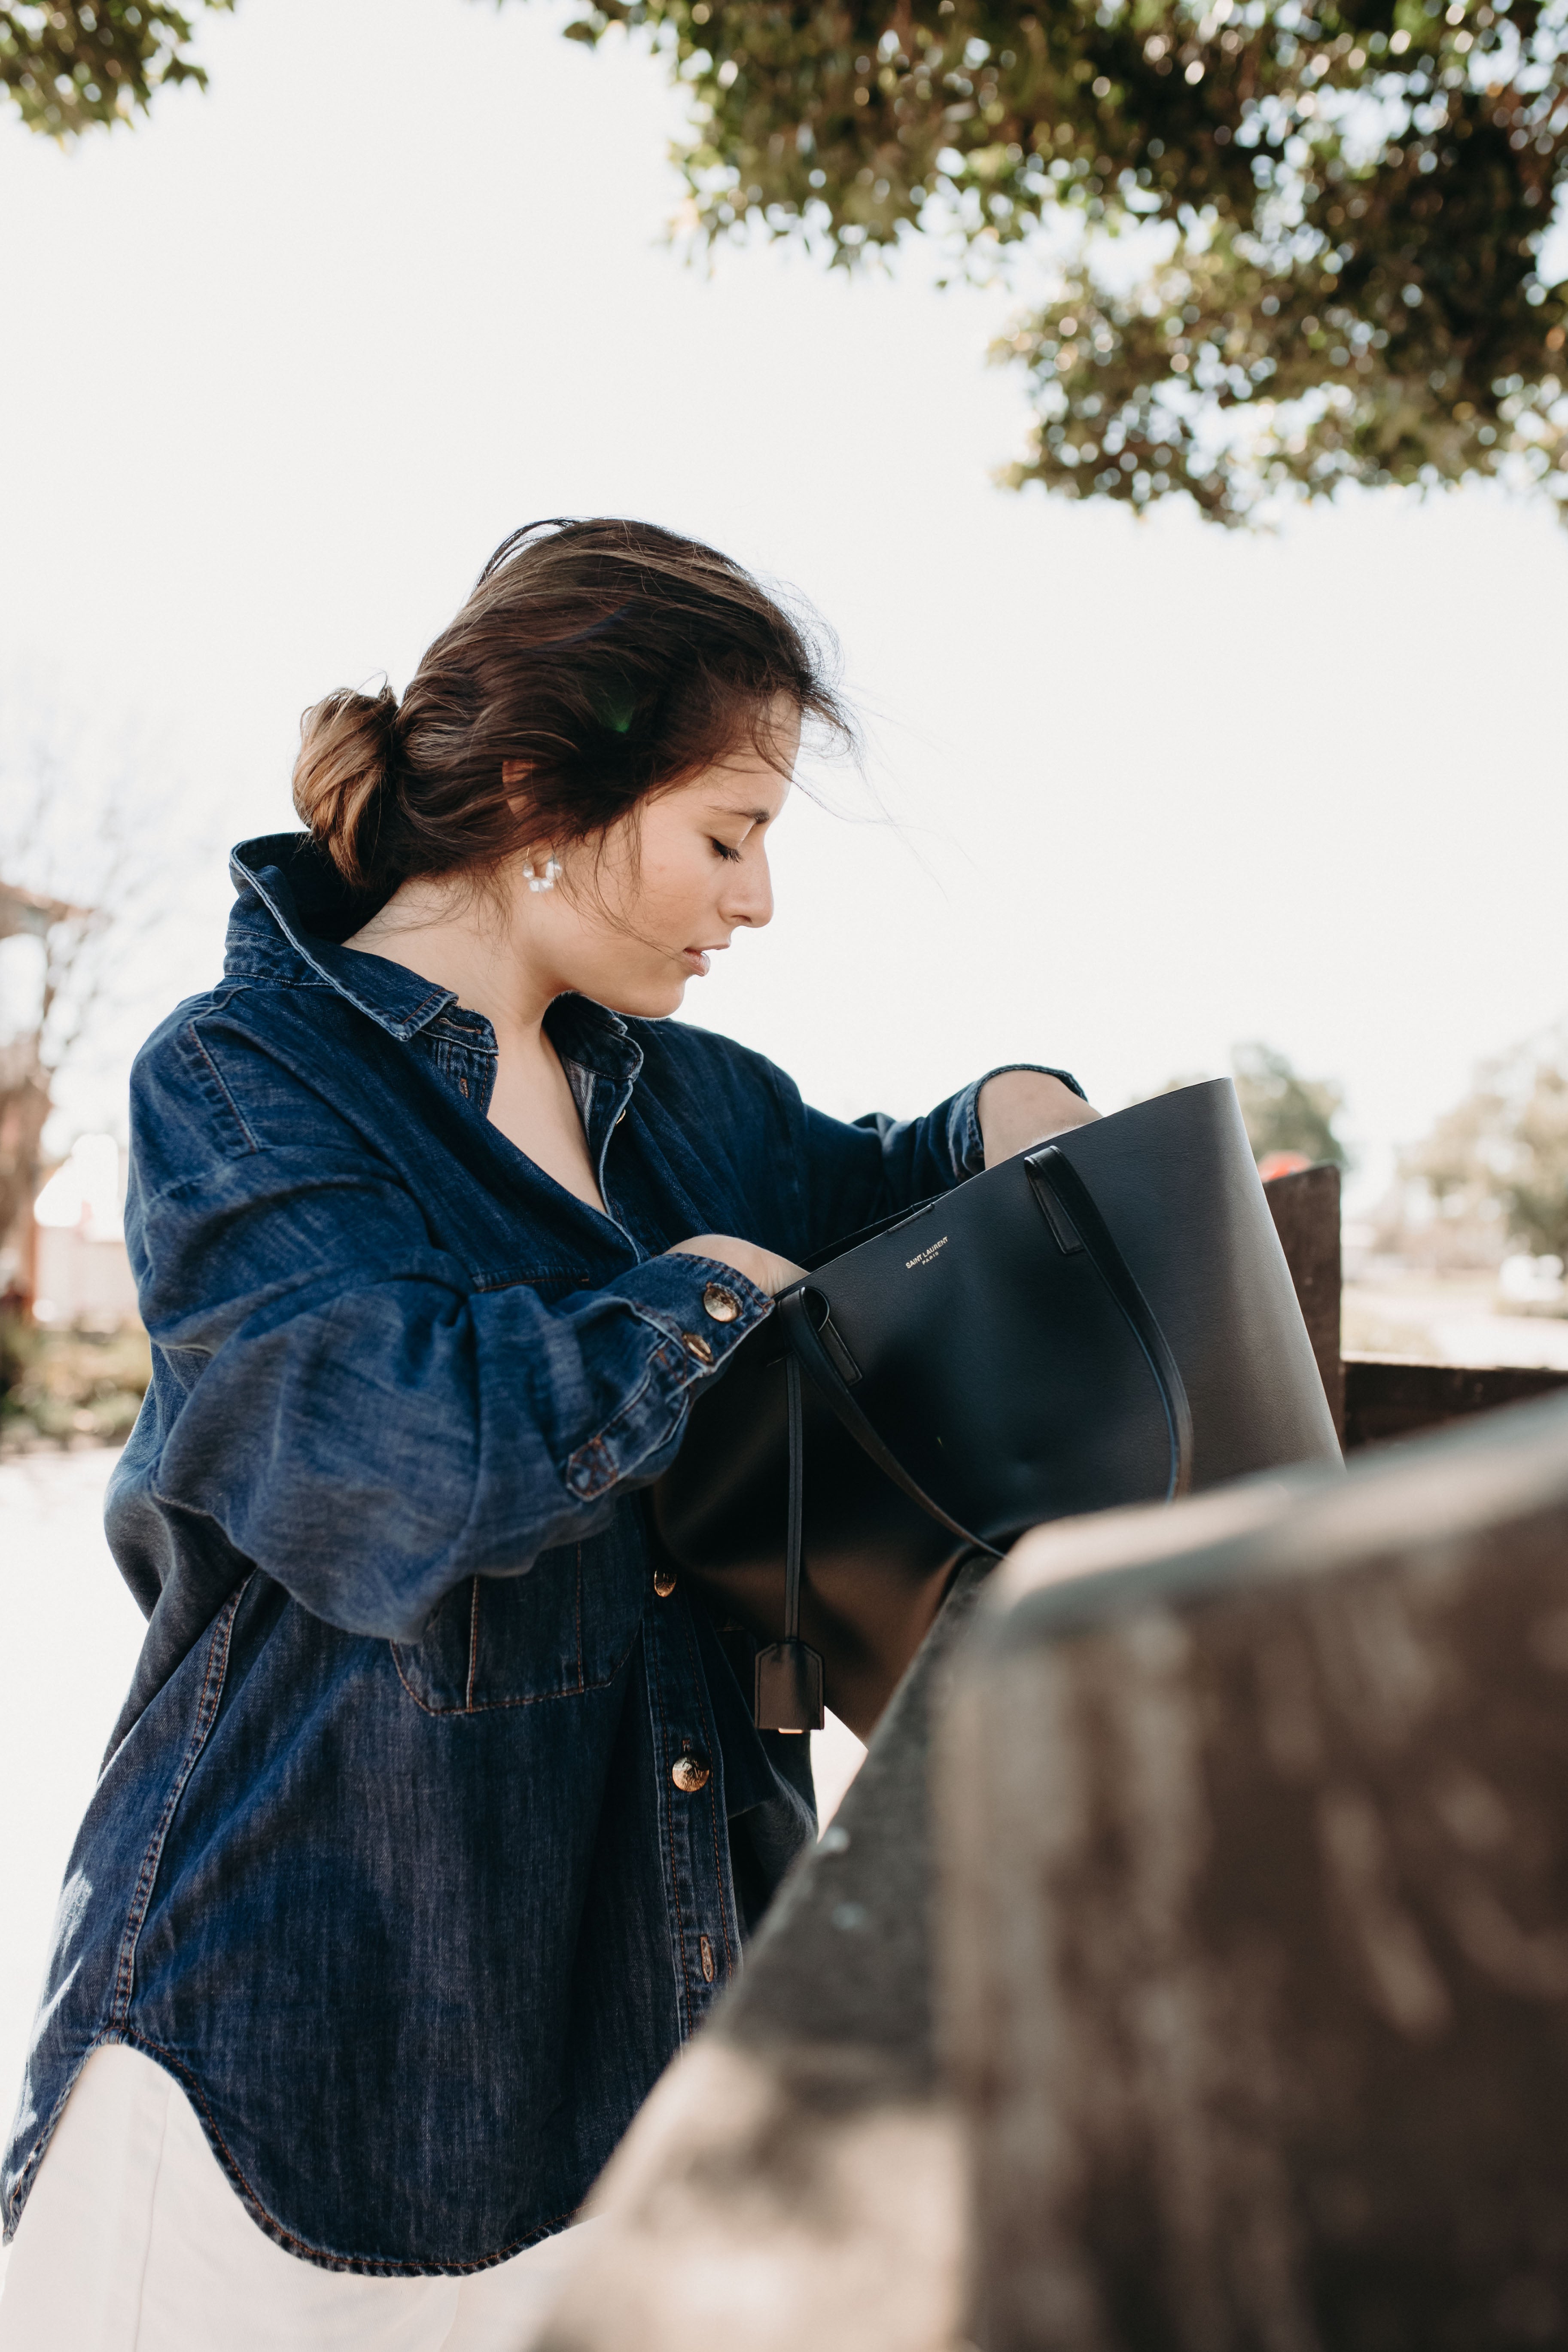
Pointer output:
x,y
545,881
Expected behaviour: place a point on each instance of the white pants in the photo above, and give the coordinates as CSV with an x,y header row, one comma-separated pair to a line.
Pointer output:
x,y
132,2241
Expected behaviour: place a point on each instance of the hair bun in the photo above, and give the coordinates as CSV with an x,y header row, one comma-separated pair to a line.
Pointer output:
x,y
347,751
597,661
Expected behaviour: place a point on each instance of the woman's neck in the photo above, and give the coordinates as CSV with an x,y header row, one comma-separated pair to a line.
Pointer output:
x,y
453,945
467,946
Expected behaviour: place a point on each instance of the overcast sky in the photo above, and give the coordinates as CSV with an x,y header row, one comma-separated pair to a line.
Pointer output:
x,y
284,363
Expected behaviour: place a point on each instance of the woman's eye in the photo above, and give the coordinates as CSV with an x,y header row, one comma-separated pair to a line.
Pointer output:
x,y
724,850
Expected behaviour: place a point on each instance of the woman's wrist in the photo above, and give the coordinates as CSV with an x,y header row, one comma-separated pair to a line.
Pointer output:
x,y
764,1269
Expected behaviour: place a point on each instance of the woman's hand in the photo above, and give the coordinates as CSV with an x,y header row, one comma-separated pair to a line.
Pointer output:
x,y
1019,1108
769,1272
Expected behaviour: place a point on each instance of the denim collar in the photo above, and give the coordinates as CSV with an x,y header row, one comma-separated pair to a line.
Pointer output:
x,y
292,907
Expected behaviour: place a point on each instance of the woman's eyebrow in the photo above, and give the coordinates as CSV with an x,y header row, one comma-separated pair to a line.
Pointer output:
x,y
752,815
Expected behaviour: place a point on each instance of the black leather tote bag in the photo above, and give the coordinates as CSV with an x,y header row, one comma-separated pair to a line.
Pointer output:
x,y
1106,1319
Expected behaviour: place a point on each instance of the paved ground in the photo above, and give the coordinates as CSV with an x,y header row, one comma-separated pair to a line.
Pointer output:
x,y
69,1639
1448,1321
69,1634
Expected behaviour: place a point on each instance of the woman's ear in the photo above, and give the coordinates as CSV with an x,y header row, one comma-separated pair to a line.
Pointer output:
x,y
514,775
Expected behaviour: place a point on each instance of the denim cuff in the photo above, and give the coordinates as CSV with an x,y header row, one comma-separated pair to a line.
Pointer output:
x,y
685,1302
969,1148
688,1299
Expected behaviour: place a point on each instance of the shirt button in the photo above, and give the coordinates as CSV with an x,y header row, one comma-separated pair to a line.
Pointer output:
x,y
697,1347
720,1304
664,1581
690,1773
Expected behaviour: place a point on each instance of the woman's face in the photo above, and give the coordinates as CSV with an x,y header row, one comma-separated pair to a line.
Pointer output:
x,y
637,915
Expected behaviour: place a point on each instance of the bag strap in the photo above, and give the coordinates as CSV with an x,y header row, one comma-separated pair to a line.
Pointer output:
x,y
797,1498
807,1349
1068,1208
787,1676
1057,1184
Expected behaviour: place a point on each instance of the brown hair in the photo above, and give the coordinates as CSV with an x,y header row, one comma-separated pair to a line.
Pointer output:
x,y
613,658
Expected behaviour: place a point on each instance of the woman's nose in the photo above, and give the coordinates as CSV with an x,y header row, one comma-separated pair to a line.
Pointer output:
x,y
750,895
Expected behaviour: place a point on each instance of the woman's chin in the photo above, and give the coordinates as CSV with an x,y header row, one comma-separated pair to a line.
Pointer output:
x,y
649,1001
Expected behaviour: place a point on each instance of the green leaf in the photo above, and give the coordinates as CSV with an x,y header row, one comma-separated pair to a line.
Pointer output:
x,y
77,64
1360,312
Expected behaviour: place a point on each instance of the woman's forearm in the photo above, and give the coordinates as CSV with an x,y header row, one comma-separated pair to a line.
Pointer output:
x,y
1019,1108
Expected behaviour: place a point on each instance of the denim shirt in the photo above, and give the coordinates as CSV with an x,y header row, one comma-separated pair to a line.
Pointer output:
x,y
431,1827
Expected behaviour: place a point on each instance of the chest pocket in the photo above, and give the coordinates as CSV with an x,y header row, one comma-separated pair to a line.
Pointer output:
x,y
563,1627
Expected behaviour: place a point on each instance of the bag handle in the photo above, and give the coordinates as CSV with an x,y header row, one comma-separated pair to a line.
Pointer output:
x,y
788,1695
1058,1188
807,1349
1070,1210
788,1686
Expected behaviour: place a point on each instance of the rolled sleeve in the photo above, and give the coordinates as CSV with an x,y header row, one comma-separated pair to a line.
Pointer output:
x,y
677,1295
369,1427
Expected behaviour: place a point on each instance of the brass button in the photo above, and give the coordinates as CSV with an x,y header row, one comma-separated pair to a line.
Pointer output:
x,y
690,1773
664,1581
720,1304
697,1347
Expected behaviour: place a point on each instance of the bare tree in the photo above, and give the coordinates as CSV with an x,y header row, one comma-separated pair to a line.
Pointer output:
x,y
87,875
24,1073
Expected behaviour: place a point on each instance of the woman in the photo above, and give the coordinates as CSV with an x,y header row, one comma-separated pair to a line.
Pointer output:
x,y
434,1819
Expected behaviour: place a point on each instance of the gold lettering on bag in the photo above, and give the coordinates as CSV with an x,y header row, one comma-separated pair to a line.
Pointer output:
x,y
924,1258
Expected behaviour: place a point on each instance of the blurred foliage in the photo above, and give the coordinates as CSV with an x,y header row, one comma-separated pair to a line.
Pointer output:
x,y
77,63
70,1386
1287,243
18,1345
1283,1111
1503,1153
1341,203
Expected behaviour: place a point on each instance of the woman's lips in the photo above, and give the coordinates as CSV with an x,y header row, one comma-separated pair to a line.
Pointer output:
x,y
696,958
